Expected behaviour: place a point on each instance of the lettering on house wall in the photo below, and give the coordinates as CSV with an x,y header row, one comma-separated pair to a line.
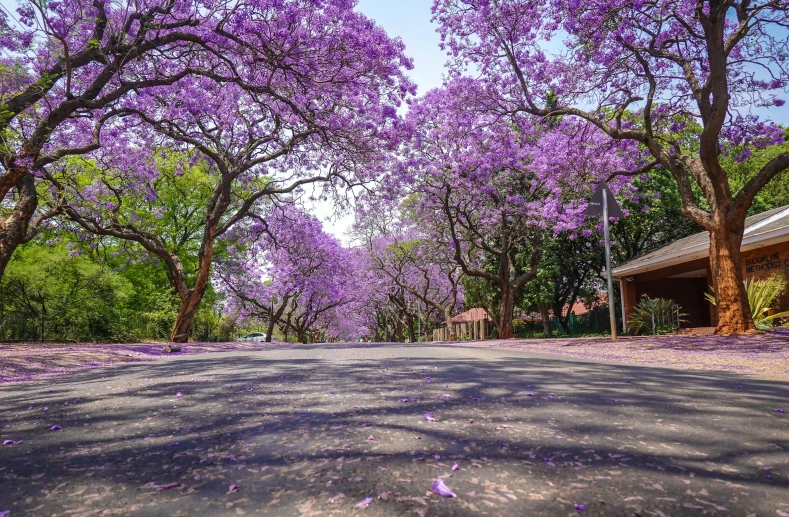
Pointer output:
x,y
766,263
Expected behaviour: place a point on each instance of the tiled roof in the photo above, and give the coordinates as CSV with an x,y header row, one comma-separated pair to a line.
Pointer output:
x,y
475,314
752,229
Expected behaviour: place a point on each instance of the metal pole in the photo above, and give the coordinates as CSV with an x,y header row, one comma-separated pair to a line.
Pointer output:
x,y
607,236
624,312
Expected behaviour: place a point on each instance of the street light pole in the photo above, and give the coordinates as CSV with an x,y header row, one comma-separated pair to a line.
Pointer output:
x,y
607,237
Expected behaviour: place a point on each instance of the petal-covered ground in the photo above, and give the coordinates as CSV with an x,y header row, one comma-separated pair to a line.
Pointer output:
x,y
394,430
764,355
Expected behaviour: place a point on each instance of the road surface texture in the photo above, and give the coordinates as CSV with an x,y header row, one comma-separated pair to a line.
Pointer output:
x,y
366,429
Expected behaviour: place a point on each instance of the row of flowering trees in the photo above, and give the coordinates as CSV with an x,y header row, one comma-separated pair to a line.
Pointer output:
x,y
98,98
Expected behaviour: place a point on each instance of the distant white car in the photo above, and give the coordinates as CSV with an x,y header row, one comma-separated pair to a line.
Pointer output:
x,y
257,337
254,337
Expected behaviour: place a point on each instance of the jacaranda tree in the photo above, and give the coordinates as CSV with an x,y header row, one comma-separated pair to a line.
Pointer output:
x,y
490,188
65,66
642,71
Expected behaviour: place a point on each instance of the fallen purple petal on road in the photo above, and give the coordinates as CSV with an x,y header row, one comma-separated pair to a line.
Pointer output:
x,y
55,428
364,503
442,489
232,489
455,466
779,410
429,417
580,507
179,394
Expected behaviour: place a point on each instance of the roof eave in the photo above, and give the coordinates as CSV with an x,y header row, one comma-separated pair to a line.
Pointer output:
x,y
698,252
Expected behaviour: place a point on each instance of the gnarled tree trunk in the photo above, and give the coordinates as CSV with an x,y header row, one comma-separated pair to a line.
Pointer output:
x,y
191,298
14,228
734,316
186,314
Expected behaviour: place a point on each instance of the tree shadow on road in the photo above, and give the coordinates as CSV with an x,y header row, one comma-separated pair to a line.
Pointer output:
x,y
306,435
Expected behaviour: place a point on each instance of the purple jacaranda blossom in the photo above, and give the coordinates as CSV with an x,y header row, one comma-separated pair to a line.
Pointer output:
x,y
440,488
455,467
179,394
364,503
232,489
56,428
429,417
580,507
779,410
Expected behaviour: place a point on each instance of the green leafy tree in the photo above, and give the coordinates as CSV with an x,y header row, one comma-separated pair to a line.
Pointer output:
x,y
51,292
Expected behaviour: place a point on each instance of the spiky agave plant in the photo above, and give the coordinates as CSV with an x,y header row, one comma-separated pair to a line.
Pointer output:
x,y
761,297
655,316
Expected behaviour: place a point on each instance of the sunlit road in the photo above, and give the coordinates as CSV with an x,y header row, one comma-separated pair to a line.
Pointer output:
x,y
367,429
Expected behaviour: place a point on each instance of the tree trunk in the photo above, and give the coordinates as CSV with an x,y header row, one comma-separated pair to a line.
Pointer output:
x,y
450,326
734,315
546,319
14,227
270,328
411,328
186,314
506,310
563,320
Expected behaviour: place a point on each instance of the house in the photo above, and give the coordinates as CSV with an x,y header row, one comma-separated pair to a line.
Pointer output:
x,y
681,270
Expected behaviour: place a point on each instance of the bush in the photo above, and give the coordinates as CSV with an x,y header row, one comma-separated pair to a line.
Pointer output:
x,y
655,316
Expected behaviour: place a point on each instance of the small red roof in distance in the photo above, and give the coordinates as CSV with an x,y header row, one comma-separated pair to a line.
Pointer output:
x,y
579,308
475,314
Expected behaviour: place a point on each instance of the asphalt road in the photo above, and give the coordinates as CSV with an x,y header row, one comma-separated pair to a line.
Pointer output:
x,y
324,429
